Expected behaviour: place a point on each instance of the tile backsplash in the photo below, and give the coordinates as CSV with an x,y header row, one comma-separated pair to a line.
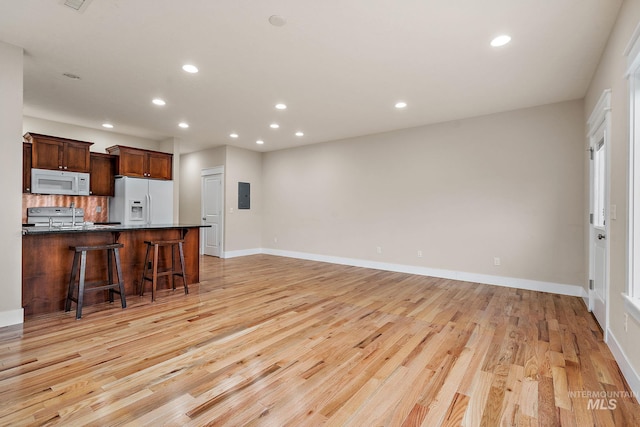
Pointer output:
x,y
96,208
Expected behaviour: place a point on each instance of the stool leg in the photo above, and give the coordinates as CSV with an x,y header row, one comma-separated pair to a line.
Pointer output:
x,y
72,282
144,271
110,273
184,275
83,266
120,280
154,281
173,267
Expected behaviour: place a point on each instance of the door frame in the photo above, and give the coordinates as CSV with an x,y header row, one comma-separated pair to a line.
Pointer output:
x,y
218,170
601,116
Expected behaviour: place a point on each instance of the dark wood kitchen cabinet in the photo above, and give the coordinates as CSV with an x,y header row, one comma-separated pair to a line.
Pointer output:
x,y
103,171
51,152
26,167
140,163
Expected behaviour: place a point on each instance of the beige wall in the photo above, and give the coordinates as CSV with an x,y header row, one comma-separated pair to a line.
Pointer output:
x,y
506,185
11,83
191,166
611,75
242,228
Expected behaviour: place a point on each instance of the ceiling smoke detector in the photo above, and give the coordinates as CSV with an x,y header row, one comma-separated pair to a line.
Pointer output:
x,y
77,5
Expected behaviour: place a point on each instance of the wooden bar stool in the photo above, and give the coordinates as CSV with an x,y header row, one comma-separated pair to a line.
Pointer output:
x,y
80,256
170,272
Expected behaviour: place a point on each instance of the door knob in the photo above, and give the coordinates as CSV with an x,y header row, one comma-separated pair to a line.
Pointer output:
x,y
601,236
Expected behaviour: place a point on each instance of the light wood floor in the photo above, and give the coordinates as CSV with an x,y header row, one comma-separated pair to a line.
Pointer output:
x,y
274,341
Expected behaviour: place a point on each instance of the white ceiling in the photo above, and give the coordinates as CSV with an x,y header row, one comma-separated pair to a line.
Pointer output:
x,y
339,65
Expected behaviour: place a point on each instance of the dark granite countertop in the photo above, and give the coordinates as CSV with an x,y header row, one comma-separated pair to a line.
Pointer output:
x,y
101,227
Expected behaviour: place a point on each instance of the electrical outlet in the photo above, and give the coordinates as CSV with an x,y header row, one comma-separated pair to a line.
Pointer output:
x,y
626,322
378,249
496,260
419,254
275,240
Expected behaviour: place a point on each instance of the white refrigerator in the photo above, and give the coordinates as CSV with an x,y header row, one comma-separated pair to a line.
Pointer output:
x,y
141,201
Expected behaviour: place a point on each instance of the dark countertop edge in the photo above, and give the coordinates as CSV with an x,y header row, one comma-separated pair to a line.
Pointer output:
x,y
95,223
30,230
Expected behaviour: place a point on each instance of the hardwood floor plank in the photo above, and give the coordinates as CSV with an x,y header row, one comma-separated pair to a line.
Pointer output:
x,y
272,341
478,398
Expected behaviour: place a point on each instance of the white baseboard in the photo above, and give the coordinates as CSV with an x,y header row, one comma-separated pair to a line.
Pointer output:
x,y
242,252
511,282
629,373
11,317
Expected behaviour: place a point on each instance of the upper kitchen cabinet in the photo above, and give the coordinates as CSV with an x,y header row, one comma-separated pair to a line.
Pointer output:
x,y
140,163
26,167
50,152
103,170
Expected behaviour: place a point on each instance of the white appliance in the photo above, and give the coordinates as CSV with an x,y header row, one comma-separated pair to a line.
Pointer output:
x,y
141,201
55,215
46,181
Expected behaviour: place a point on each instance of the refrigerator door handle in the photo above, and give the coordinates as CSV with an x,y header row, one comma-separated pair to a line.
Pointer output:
x,y
149,209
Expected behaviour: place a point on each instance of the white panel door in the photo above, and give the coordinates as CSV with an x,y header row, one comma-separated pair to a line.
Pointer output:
x,y
212,214
599,228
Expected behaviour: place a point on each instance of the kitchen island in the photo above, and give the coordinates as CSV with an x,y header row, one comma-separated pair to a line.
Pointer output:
x,y
46,259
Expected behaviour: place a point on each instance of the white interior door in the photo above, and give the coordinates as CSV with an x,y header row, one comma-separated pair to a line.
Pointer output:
x,y
599,227
212,214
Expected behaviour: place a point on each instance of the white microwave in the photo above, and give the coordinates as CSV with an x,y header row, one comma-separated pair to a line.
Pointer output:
x,y
45,181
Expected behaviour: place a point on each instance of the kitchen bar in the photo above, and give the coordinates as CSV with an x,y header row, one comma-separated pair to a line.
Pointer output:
x,y
47,260
73,197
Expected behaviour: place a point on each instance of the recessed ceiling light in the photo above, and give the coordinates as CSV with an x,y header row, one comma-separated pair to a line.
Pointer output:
x,y
189,68
183,125
259,142
500,40
299,133
233,135
401,104
158,101
107,125
274,126
281,106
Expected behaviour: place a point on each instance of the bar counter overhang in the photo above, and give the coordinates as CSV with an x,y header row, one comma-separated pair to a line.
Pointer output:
x,y
47,260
